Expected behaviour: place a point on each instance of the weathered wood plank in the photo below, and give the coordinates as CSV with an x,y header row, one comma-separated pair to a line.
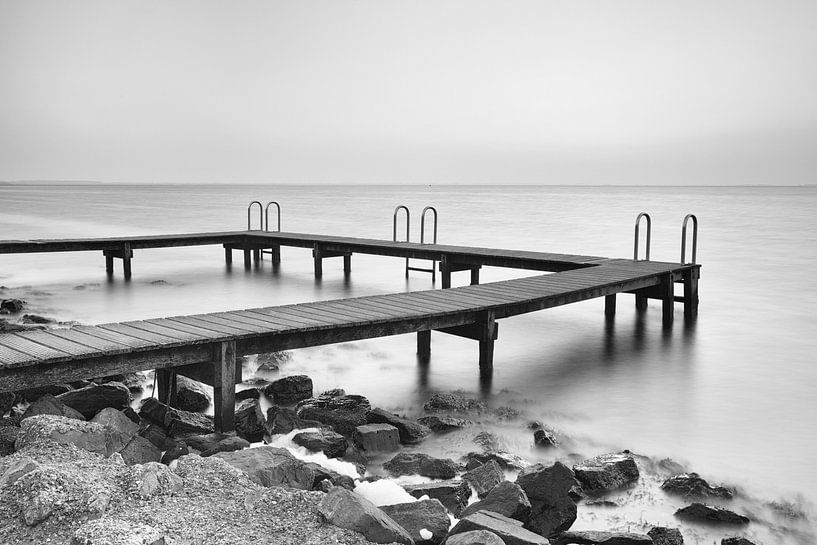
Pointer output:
x,y
34,349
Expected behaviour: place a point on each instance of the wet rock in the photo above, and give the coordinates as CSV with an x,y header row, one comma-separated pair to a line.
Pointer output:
x,y
506,460
335,392
290,389
410,432
475,537
135,382
507,499
17,470
736,541
453,494
92,399
10,306
453,403
116,420
330,443
9,327
443,424
110,531
490,442
509,530
191,395
699,512
272,360
270,466
414,517
666,536
140,451
8,436
249,393
548,489
417,463
602,538
691,485
48,404
155,479
35,319
282,420
484,478
343,413
175,452
7,400
606,473
346,509
544,438
214,443
322,475
183,423
377,438
59,429
158,436
249,420
154,410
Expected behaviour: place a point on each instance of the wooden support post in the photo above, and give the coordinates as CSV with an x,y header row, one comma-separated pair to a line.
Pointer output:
x,y
126,267
347,263
486,345
247,259
424,344
228,254
256,255
667,299
109,264
166,386
318,258
445,272
475,276
640,302
276,255
691,293
224,386
610,305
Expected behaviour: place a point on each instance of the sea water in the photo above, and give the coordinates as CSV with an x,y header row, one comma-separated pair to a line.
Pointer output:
x,y
732,395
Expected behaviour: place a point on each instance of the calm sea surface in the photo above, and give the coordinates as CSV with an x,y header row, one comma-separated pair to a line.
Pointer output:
x,y
734,396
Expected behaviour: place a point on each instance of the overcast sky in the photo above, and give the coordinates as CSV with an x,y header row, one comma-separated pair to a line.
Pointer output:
x,y
612,91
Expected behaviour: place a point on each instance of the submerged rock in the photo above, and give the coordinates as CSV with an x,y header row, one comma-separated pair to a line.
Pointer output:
x,y
411,432
691,485
544,438
443,424
602,538
454,403
699,512
332,444
343,413
414,517
606,473
453,494
548,489
417,463
346,509
9,306
509,530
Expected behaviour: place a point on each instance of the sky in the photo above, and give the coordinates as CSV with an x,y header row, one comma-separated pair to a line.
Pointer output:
x,y
429,92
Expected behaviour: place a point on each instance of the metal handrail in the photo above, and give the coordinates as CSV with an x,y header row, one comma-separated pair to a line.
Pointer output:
x,y
649,230
423,224
408,223
260,215
266,215
694,238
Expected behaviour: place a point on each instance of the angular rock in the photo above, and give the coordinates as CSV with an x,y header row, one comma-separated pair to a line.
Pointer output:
x,y
736,541
17,470
155,479
33,394
214,443
59,429
8,435
413,517
191,395
335,392
154,410
417,463
602,538
544,438
475,537
135,382
140,451
453,494
454,403
698,512
183,423
9,306
507,498
283,420
484,478
110,531
443,424
174,453
509,530
506,460
666,536
270,466
7,400
490,442
377,437
42,493
346,509
289,390
332,444
48,404
118,421
92,399
158,436
606,473
249,420
691,485
343,413
249,393
411,432
548,489
323,474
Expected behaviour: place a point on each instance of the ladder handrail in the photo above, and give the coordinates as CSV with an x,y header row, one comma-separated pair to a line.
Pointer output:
x,y
423,224
694,238
260,215
408,223
266,215
649,230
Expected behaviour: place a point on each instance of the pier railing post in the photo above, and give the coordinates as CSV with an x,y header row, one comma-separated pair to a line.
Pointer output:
x,y
224,386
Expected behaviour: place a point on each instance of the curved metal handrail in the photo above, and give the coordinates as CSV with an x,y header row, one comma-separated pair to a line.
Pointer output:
x,y
694,238
266,216
423,224
649,230
260,215
408,223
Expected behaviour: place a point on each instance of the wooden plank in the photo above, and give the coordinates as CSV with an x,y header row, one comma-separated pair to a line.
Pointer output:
x,y
377,311
12,358
300,312
153,338
324,309
283,313
103,346
57,342
410,304
276,321
113,337
153,327
189,328
229,328
258,324
36,350
351,311
417,302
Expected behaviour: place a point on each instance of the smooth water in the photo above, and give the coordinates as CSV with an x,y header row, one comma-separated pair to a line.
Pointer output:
x,y
732,396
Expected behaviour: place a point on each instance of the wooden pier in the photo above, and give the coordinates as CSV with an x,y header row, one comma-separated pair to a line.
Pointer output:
x,y
205,346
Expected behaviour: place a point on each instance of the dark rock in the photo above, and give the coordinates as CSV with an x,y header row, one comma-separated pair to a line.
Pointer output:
x,y
357,457
736,541
335,392
135,382
158,436
175,452
9,327
410,432
116,420
484,478
544,438
290,389
92,399
506,460
154,410
323,474
270,466
272,360
346,509
249,420
489,442
214,443
330,443
7,400
191,395
89,436
666,536
417,463
249,393
132,415
283,420
606,473
443,424
454,495
184,423
507,499
48,404
601,503
668,465
691,485
429,515
602,538
33,394
453,403
8,436
343,413
10,306
35,319
140,451
698,512
548,488
377,438
475,537
509,530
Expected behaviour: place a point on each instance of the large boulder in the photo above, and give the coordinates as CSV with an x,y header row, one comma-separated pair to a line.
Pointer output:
x,y
59,429
417,516
289,390
343,413
177,422
606,472
736,541
691,485
48,404
282,420
548,489
346,509
509,530
377,438
666,536
213,443
154,479
474,537
332,444
484,477
453,494
191,395
506,460
699,512
10,306
8,435
140,451
602,538
42,493
271,466
507,499
92,399
110,531
442,423
249,420
417,463
118,421
157,435
411,432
